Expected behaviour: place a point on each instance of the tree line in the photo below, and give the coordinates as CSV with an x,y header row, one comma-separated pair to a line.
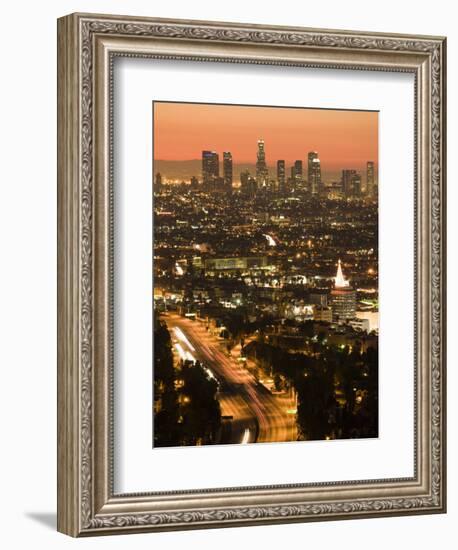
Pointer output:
x,y
337,388
187,411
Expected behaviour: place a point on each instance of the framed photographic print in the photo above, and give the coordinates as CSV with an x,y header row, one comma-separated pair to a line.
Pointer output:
x,y
251,274
249,304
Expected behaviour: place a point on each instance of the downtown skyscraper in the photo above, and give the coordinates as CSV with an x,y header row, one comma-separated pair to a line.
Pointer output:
x,y
351,183
227,171
281,175
297,172
262,173
314,173
210,167
370,179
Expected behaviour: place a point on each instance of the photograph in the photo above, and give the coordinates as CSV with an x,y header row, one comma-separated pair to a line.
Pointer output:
x,y
243,210
265,274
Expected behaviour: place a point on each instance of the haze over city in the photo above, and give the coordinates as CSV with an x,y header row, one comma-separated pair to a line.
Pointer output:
x,y
344,139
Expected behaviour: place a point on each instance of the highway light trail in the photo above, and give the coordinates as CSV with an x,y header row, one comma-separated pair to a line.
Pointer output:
x,y
246,437
180,336
184,354
256,414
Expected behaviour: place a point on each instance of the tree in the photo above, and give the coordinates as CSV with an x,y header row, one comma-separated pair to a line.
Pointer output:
x,y
200,408
316,407
165,423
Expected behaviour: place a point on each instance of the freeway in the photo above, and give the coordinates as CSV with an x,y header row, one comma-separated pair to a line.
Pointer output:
x,y
258,416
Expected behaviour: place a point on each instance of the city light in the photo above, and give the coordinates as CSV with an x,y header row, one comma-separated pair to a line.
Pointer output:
x,y
180,335
270,240
265,286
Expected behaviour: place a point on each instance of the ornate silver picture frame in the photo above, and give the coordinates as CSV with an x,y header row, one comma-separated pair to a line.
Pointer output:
x,y
87,47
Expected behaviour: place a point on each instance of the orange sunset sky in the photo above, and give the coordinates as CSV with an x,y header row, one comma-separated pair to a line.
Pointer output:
x,y
343,139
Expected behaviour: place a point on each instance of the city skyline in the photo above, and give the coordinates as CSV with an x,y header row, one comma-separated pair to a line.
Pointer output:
x,y
183,130
265,292
220,175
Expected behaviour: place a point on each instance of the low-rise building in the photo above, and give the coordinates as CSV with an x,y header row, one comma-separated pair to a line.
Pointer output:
x,y
360,324
322,313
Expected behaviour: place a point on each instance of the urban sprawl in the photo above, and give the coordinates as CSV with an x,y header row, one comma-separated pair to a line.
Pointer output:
x,y
265,303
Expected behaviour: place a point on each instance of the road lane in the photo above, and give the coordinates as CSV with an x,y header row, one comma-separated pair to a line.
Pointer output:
x,y
257,414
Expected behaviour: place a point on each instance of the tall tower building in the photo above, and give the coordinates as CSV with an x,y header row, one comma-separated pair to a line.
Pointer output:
x,y
247,184
244,177
346,182
351,183
314,173
262,173
227,171
298,174
281,175
370,179
356,185
343,298
210,167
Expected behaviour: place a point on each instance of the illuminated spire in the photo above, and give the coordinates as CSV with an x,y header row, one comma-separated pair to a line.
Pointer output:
x,y
339,280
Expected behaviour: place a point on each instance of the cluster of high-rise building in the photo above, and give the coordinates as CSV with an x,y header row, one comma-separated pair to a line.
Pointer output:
x,y
296,179
275,253
211,179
